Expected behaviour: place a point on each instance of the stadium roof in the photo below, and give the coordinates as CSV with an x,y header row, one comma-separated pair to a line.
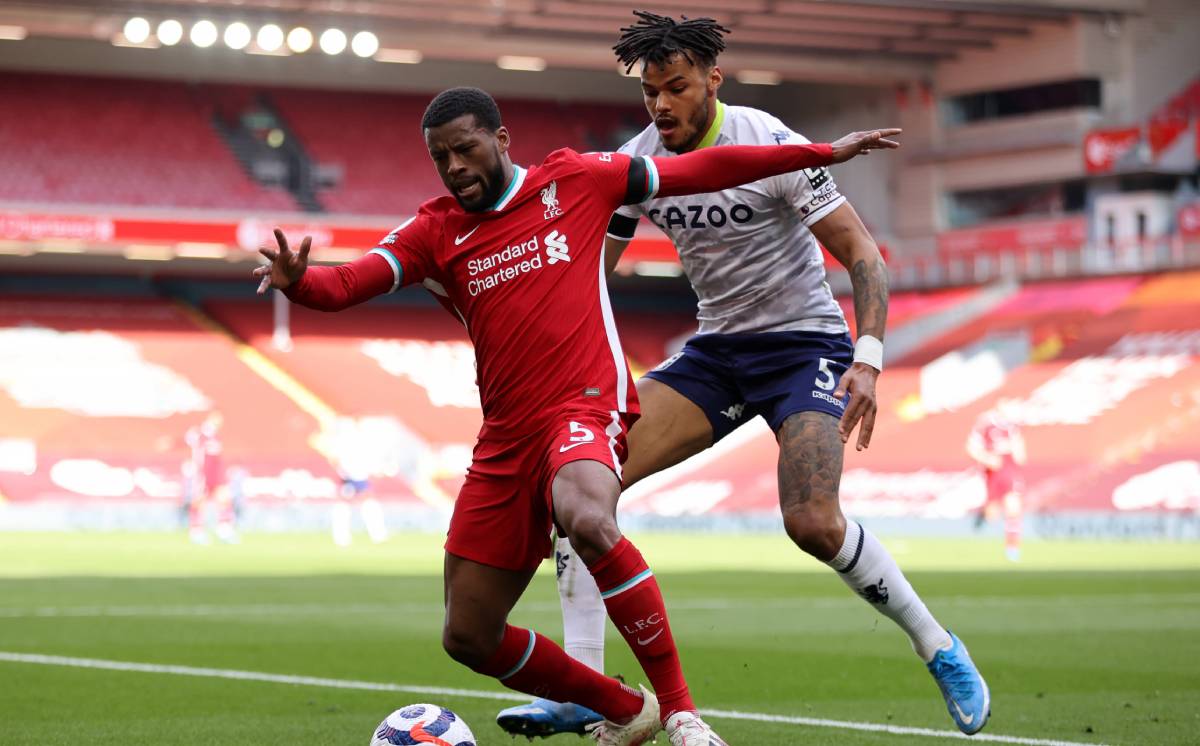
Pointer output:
x,y
852,41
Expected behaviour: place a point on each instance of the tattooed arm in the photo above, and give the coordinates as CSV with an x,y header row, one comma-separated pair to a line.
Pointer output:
x,y
846,238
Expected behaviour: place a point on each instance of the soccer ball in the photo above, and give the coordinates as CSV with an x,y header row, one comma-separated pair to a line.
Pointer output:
x,y
418,724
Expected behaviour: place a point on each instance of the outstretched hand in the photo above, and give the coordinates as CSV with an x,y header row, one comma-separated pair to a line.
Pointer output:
x,y
862,143
286,266
859,382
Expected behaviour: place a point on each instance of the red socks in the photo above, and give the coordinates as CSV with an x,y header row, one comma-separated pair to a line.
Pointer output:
x,y
636,606
530,663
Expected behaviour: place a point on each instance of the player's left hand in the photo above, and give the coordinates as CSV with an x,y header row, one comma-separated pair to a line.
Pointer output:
x,y
859,382
862,143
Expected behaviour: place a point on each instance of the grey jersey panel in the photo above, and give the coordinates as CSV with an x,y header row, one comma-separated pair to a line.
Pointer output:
x,y
748,252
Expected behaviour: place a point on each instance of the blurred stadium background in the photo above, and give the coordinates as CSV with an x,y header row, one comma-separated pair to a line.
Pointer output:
x,y
1041,222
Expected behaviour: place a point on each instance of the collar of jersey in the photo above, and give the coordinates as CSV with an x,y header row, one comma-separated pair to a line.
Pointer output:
x,y
714,131
511,190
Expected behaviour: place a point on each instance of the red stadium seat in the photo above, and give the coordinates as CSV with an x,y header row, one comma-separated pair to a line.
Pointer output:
x,y
101,141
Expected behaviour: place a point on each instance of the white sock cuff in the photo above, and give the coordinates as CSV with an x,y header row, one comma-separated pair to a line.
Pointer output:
x,y
591,656
852,546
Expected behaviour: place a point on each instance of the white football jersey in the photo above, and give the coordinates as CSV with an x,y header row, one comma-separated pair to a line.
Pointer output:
x,y
748,252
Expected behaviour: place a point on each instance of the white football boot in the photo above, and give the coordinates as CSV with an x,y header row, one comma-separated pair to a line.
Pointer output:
x,y
687,729
634,733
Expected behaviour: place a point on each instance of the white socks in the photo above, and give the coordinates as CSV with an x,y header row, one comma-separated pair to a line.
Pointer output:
x,y
372,515
865,565
373,519
584,615
340,518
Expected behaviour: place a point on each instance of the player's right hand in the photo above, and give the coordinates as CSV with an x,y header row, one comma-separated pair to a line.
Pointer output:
x,y
862,143
286,266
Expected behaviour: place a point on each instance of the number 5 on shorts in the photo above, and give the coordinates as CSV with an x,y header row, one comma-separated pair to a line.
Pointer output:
x,y
825,379
579,435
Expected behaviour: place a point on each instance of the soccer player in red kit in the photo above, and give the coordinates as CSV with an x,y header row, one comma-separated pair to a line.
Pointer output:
x,y
516,254
209,481
996,444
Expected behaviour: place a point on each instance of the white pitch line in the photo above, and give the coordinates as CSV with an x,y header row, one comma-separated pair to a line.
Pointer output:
x,y
274,678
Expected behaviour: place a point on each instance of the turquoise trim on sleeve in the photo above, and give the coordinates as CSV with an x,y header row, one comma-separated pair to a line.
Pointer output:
x,y
394,263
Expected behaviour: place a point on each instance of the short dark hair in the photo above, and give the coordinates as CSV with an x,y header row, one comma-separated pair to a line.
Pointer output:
x,y
452,103
655,38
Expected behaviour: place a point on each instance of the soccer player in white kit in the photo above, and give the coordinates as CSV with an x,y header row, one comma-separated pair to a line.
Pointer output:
x,y
772,342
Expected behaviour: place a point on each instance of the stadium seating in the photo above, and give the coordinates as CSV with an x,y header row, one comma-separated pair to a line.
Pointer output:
x,y
100,141
345,358
1105,385
99,391
415,363
1108,394
104,141
374,141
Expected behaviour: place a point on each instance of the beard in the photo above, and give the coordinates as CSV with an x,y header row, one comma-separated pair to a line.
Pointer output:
x,y
492,186
696,124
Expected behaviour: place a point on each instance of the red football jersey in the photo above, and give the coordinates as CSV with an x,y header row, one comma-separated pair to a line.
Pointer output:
x,y
206,449
527,279
997,436
526,276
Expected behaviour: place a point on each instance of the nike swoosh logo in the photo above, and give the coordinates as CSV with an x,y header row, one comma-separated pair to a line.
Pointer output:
x,y
654,637
967,719
458,240
564,449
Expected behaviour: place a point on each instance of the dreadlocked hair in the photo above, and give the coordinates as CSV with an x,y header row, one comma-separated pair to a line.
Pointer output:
x,y
654,38
452,103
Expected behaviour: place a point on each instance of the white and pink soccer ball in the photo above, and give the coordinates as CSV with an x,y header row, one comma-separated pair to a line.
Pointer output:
x,y
423,724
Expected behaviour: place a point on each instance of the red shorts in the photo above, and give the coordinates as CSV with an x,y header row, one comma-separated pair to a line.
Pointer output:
x,y
1001,482
503,516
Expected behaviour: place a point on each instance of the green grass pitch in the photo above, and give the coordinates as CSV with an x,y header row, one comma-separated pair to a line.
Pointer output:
x,y
1081,642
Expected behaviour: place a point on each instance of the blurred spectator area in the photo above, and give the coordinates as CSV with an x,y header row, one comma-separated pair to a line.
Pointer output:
x,y
369,153
102,141
97,389
67,140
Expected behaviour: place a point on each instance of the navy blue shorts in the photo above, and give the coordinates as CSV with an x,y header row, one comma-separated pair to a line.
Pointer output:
x,y
736,377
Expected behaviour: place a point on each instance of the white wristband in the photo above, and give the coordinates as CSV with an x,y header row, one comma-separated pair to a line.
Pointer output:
x,y
869,350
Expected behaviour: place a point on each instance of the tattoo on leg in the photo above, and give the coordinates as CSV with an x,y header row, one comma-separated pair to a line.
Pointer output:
x,y
810,461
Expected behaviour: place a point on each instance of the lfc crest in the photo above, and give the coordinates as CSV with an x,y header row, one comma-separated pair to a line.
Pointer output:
x,y
550,200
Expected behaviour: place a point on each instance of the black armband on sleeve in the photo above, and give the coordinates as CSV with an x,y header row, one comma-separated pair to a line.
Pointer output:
x,y
622,226
638,187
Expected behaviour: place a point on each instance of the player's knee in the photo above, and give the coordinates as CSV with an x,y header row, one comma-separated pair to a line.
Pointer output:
x,y
820,538
592,531
467,646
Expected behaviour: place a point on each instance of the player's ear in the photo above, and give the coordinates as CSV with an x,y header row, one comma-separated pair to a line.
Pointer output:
x,y
502,139
715,79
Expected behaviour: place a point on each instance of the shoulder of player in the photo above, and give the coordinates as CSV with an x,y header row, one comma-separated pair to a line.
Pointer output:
x,y
746,125
560,163
566,163
429,220
562,156
438,207
437,213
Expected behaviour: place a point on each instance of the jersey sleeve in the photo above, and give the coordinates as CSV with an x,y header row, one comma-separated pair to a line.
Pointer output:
x,y
409,249
811,191
403,257
623,224
623,180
